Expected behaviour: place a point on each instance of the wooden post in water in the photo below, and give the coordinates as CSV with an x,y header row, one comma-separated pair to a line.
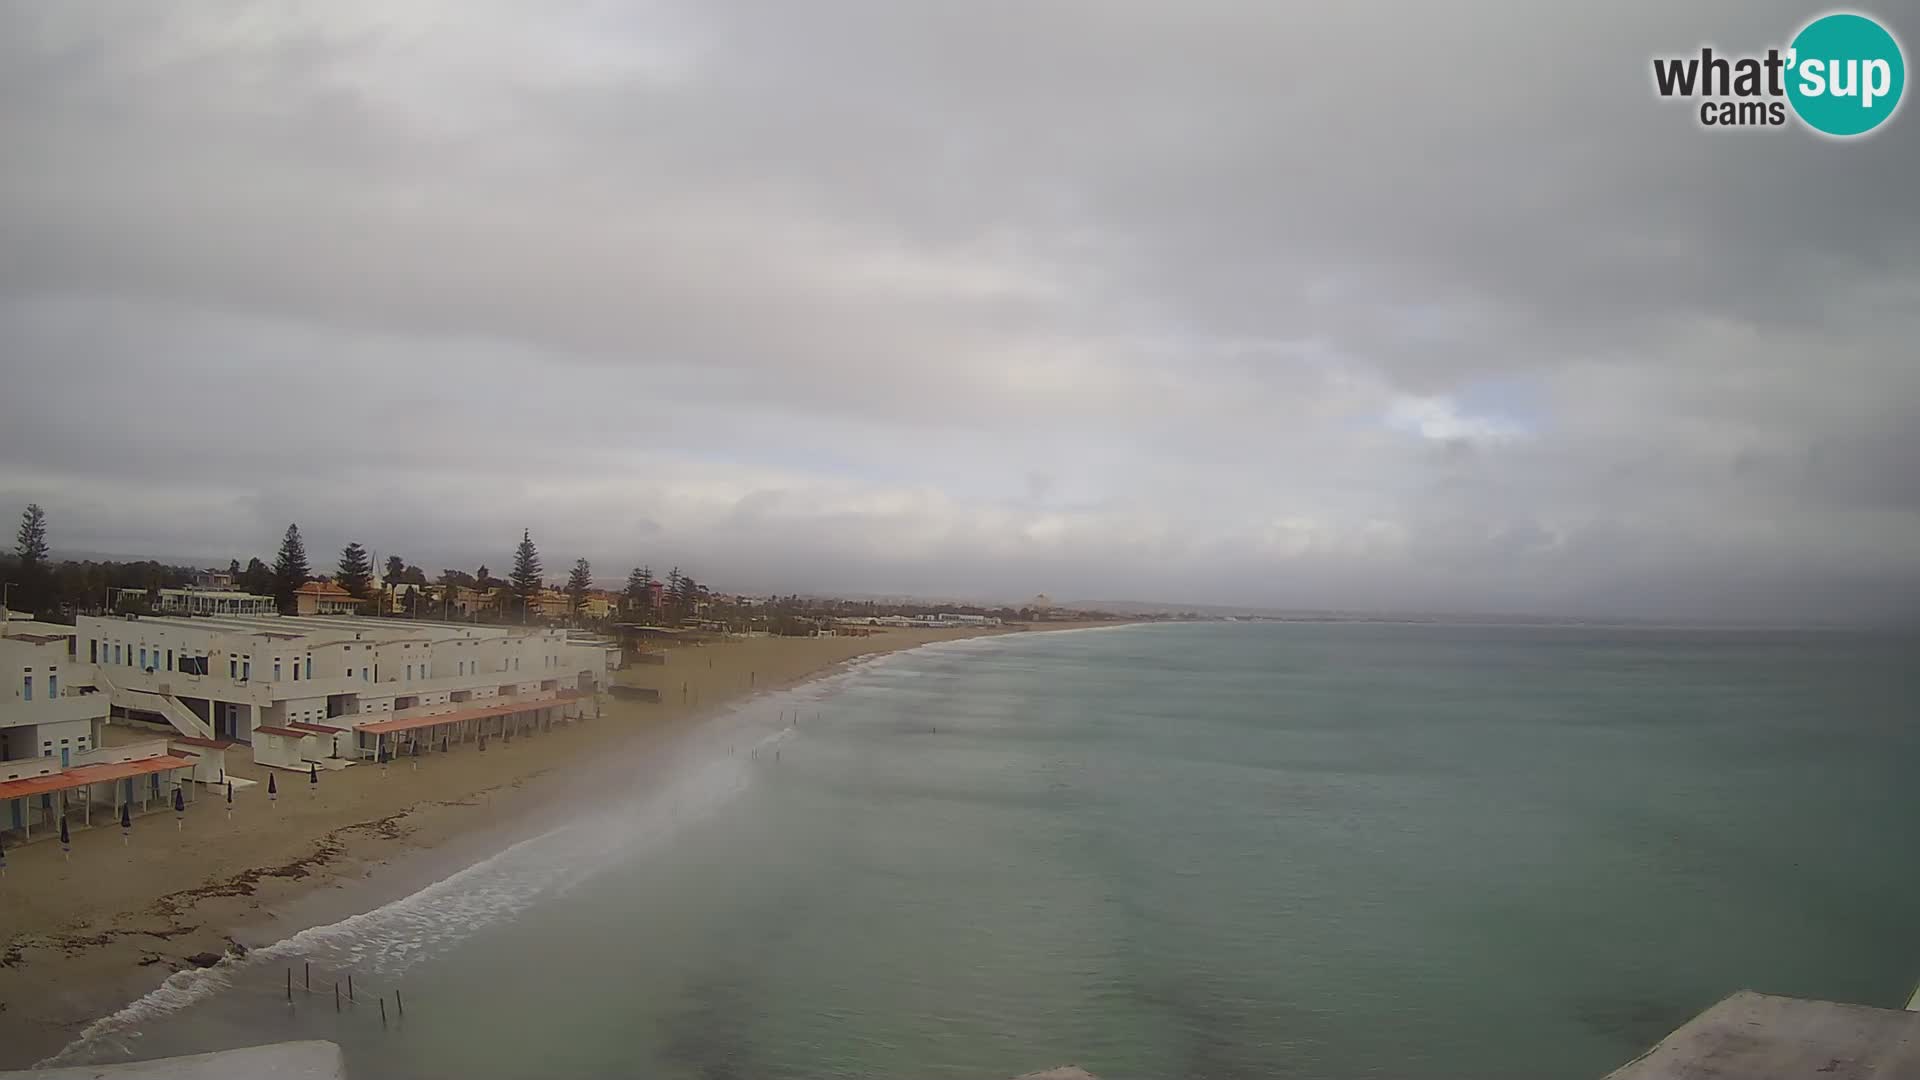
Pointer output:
x,y
336,995
289,986
401,1005
383,1010
309,974
349,986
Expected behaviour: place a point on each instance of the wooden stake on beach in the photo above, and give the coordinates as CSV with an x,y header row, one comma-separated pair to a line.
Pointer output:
x,y
289,986
309,975
383,1010
398,1003
349,986
336,995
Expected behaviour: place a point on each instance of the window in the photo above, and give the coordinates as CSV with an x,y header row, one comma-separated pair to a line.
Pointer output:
x,y
276,669
143,658
93,650
296,670
169,659
233,667
309,667
53,686
28,684
116,654
363,675
409,672
246,669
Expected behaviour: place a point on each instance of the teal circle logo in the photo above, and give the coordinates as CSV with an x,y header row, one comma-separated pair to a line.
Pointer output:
x,y
1845,74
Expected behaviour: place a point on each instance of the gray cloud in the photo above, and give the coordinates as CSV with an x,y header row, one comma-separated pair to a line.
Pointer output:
x,y
1391,306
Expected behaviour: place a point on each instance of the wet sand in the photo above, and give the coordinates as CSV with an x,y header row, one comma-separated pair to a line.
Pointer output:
x,y
85,936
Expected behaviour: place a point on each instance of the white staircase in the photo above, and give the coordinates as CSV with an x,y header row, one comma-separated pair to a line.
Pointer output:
x,y
183,719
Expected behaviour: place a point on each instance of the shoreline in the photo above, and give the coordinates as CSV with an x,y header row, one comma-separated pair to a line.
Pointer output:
x,y
89,936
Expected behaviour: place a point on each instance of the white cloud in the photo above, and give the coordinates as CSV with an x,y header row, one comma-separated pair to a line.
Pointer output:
x,y
1441,419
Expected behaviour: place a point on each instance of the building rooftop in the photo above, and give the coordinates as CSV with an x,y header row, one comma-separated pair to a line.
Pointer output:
x,y
35,630
81,775
333,628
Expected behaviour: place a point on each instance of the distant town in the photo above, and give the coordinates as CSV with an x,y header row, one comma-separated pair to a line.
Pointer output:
x,y
292,584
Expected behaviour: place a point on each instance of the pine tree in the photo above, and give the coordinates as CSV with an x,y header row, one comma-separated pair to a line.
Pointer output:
x,y
483,579
639,589
33,591
31,545
688,597
233,569
356,570
670,599
579,584
396,570
289,570
526,568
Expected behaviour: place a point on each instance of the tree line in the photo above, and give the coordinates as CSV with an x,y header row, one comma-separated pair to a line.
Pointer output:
x,y
56,591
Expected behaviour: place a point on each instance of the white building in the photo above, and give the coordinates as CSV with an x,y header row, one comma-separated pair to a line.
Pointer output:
x,y
49,709
227,677
212,602
49,720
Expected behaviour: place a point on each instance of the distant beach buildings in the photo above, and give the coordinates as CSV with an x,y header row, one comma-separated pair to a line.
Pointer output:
x,y
942,620
292,691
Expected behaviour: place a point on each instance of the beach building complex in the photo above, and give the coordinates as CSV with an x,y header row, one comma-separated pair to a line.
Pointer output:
x,y
226,678
294,692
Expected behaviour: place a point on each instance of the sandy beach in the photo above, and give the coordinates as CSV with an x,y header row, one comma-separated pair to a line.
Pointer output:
x,y
87,935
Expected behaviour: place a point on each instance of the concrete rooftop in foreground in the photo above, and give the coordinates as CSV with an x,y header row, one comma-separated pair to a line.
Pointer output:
x,y
312,1060
1750,1036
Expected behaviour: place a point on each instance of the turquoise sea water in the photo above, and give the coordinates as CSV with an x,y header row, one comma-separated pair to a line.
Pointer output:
x,y
1213,850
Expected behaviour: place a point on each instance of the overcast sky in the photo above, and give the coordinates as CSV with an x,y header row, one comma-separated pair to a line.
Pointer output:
x,y
1408,306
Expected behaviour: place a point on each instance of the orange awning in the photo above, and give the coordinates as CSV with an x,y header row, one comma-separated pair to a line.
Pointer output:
x,y
411,723
90,774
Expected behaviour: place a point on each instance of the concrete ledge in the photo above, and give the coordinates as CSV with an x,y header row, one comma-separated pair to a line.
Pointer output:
x,y
1753,1036
312,1060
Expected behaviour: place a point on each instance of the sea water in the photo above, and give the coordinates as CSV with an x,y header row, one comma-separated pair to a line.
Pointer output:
x,y
1333,850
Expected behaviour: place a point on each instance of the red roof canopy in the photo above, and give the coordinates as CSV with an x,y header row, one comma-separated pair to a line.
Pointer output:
x,y
89,774
410,723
